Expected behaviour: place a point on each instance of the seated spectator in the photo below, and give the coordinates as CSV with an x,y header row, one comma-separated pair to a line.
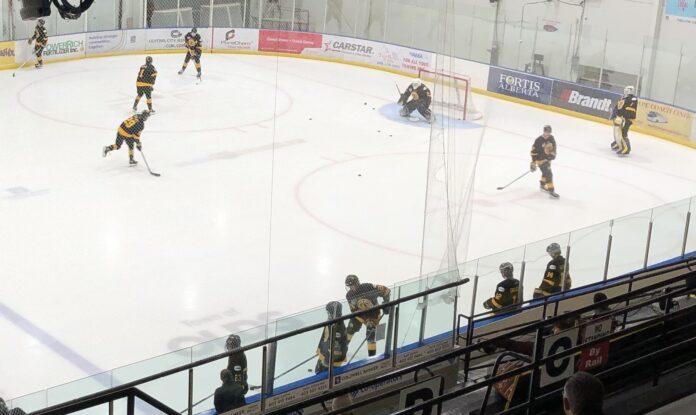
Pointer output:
x,y
583,394
599,311
230,395
506,292
553,276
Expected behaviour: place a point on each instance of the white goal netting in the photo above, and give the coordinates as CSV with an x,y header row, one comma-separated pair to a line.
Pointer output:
x,y
451,90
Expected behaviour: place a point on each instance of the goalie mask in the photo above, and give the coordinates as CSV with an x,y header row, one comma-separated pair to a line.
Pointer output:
x,y
416,83
628,90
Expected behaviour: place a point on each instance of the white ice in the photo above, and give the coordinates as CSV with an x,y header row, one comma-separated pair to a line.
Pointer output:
x,y
278,179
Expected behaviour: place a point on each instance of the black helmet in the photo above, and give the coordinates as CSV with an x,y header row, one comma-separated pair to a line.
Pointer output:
x,y
148,60
42,22
334,309
233,342
553,249
547,128
352,280
506,269
194,30
145,115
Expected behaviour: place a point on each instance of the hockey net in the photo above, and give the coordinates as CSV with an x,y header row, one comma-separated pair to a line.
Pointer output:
x,y
451,91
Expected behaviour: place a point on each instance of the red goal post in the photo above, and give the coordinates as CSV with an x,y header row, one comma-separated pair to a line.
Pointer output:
x,y
451,90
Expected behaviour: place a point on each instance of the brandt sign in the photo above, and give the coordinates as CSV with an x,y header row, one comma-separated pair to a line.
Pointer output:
x,y
583,99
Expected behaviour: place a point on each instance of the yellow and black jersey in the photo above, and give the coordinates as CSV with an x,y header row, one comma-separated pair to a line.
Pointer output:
x,y
365,296
146,76
340,345
192,41
420,93
506,294
553,277
237,365
544,148
40,35
132,127
626,107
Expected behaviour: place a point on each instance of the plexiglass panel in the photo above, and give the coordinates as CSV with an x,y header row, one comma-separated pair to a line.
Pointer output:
x,y
629,238
588,253
667,239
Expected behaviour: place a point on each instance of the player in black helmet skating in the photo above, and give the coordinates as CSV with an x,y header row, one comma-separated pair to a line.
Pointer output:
x,y
129,131
193,44
145,83
543,152
362,297
41,37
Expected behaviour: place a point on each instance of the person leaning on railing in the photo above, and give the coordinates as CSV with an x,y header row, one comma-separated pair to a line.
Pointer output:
x,y
553,276
506,292
339,340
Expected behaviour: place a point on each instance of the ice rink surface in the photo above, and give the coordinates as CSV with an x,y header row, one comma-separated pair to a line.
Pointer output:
x,y
280,176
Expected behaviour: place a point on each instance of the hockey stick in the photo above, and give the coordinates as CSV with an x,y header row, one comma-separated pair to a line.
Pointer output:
x,y
296,366
147,165
397,89
32,56
357,350
503,187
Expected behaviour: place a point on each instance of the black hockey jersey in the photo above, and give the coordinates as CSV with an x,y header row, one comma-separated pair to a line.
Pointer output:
x,y
192,41
40,35
554,275
626,107
506,294
237,364
420,93
132,127
365,296
340,345
146,76
543,148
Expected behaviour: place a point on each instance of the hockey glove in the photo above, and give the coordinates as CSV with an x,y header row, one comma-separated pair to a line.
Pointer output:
x,y
386,311
29,41
532,166
139,146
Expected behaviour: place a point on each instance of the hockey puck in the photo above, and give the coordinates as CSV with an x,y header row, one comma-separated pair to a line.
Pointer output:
x,y
310,119
379,131
373,107
390,135
364,103
359,175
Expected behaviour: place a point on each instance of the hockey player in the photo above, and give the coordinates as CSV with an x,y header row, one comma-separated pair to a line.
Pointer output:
x,y
145,83
553,276
237,362
129,131
362,297
507,291
340,341
543,152
41,37
623,114
420,100
193,44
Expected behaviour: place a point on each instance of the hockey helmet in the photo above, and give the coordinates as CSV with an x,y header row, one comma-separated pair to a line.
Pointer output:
x,y
334,309
547,129
233,342
416,83
352,280
148,60
42,22
194,30
506,269
553,249
145,115
629,90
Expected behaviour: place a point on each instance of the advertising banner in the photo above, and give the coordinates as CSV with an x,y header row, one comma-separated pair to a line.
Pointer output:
x,y
58,47
7,53
658,117
105,42
520,85
164,39
287,42
583,99
135,39
404,59
684,9
235,39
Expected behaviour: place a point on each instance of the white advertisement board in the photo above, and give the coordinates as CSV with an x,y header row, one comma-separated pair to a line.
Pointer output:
x,y
235,39
58,47
167,39
105,42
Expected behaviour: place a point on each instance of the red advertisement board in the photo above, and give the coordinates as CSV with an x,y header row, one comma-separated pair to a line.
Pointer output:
x,y
288,42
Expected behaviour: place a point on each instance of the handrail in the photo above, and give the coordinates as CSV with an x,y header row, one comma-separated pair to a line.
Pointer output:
x,y
473,347
63,407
